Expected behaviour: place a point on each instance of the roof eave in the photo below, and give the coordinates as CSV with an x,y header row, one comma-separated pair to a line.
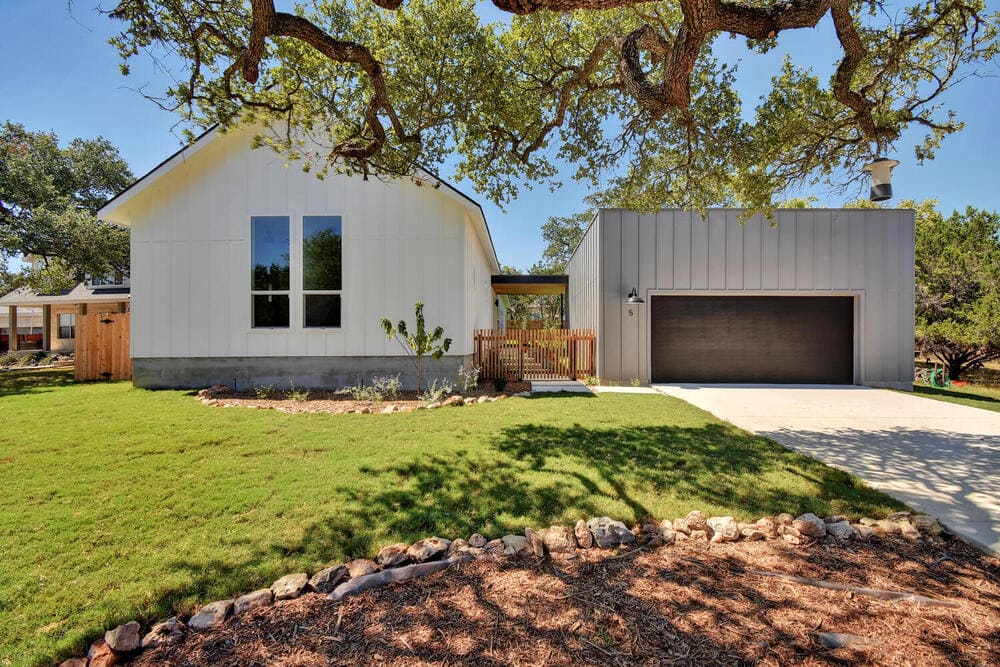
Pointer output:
x,y
115,204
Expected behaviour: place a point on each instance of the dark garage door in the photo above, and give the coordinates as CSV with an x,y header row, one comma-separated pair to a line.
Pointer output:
x,y
792,339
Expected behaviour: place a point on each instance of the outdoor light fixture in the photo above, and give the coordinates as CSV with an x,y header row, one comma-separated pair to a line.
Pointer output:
x,y
633,297
881,171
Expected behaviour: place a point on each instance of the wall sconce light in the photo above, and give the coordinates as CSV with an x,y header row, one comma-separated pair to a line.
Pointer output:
x,y
881,171
633,297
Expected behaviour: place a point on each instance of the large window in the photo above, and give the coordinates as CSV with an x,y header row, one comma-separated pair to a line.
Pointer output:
x,y
270,284
67,325
321,270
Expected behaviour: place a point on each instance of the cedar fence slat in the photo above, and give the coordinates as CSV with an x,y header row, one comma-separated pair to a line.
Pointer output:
x,y
535,354
102,347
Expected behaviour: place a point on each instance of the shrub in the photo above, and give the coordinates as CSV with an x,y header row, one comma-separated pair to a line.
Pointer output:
x,y
298,395
419,342
386,386
264,391
435,393
499,383
469,377
381,387
591,380
635,382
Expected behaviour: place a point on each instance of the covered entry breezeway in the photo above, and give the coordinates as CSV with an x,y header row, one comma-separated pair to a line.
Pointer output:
x,y
534,353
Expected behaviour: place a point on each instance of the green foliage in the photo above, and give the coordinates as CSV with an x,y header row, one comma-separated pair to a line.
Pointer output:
x,y
512,100
562,235
264,391
420,342
469,377
49,197
435,393
321,261
499,383
298,395
380,388
958,286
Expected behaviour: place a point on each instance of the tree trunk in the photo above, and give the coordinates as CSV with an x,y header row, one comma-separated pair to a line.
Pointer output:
x,y
955,365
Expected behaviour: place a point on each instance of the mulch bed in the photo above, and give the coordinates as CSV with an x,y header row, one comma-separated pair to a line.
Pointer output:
x,y
690,603
322,400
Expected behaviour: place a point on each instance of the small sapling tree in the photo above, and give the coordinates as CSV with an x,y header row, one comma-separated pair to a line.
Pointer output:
x,y
418,343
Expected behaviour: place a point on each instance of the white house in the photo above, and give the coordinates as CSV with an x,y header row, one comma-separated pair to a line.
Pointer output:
x,y
247,270
821,296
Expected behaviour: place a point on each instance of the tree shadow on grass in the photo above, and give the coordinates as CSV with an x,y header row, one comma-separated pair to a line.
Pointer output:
x,y
536,475
30,381
981,401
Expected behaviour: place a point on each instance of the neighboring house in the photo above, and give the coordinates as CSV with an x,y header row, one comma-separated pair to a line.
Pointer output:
x,y
248,271
820,296
56,318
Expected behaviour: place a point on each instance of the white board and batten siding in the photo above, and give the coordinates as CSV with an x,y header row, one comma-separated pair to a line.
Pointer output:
x,y
866,254
191,255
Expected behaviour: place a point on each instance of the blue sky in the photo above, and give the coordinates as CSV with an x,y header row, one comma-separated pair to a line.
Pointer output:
x,y
71,84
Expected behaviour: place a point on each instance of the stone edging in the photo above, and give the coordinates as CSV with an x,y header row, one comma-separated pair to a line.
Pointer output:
x,y
401,562
211,396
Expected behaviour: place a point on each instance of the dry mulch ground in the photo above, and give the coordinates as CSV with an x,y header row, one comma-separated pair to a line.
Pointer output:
x,y
691,603
338,403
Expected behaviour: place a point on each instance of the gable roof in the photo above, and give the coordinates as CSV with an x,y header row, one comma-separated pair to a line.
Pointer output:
x,y
80,293
153,175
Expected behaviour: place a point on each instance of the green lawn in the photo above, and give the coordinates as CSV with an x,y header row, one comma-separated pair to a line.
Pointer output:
x,y
976,396
121,503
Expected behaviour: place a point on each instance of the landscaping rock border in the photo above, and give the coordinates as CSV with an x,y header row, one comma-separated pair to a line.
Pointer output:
x,y
220,395
401,562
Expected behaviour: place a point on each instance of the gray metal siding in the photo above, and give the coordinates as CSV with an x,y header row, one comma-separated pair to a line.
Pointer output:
x,y
582,311
864,253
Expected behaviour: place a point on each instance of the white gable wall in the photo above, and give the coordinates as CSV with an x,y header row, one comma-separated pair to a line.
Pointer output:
x,y
480,312
191,258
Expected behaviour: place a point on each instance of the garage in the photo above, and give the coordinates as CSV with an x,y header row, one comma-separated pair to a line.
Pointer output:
x,y
752,339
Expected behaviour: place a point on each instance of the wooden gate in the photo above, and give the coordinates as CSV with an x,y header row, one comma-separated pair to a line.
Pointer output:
x,y
535,354
102,349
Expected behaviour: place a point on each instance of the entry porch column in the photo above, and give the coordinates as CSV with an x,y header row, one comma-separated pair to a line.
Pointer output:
x,y
12,310
46,327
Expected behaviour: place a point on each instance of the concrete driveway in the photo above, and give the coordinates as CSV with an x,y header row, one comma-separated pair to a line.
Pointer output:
x,y
937,457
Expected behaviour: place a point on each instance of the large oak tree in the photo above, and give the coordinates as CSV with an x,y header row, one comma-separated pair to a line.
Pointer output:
x,y
958,287
49,198
626,91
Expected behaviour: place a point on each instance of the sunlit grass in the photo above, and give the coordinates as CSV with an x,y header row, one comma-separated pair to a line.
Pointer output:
x,y
975,396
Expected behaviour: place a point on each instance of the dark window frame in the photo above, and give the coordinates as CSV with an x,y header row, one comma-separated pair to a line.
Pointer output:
x,y
306,293
281,293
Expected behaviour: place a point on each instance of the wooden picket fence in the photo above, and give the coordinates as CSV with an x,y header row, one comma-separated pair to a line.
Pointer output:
x,y
102,347
535,354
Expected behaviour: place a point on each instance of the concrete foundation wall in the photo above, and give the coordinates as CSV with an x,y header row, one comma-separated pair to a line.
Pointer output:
x,y
281,372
